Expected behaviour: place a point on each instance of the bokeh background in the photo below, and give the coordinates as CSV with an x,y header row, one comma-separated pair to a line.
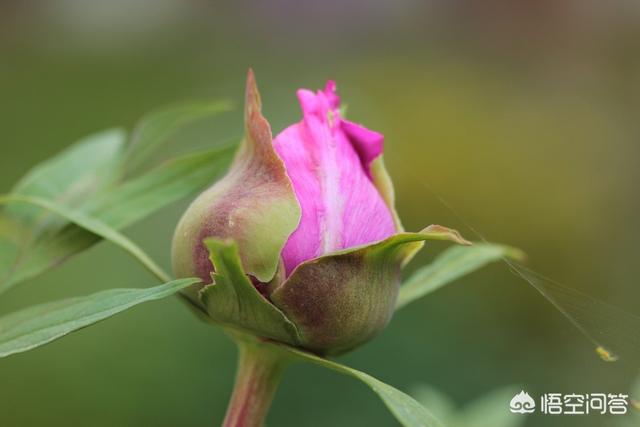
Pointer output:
x,y
522,115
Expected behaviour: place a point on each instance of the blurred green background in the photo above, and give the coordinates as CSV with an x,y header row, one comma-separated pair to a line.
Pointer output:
x,y
522,115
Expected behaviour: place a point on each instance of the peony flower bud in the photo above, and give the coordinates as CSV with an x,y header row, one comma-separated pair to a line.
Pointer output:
x,y
310,219
328,160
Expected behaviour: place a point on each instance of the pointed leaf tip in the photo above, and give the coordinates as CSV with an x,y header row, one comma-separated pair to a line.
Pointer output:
x,y
445,233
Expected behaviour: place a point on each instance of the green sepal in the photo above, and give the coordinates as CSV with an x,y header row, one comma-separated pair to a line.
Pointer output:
x,y
234,301
254,205
382,181
342,300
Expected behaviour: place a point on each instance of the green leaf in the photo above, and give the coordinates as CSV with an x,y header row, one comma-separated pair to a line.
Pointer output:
x,y
70,179
88,178
156,128
22,257
39,325
233,300
94,226
167,183
406,409
77,172
452,264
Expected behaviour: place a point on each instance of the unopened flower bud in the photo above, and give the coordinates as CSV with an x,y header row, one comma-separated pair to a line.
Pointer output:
x,y
312,216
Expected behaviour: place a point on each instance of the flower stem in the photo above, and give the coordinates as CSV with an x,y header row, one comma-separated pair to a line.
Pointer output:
x,y
259,371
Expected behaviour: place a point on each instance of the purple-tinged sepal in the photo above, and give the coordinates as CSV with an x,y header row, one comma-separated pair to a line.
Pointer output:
x,y
342,300
254,205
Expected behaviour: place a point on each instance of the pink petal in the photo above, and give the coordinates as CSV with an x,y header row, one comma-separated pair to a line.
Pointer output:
x,y
327,160
367,143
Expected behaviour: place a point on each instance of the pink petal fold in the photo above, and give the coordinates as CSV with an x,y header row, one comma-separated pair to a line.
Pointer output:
x,y
328,161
